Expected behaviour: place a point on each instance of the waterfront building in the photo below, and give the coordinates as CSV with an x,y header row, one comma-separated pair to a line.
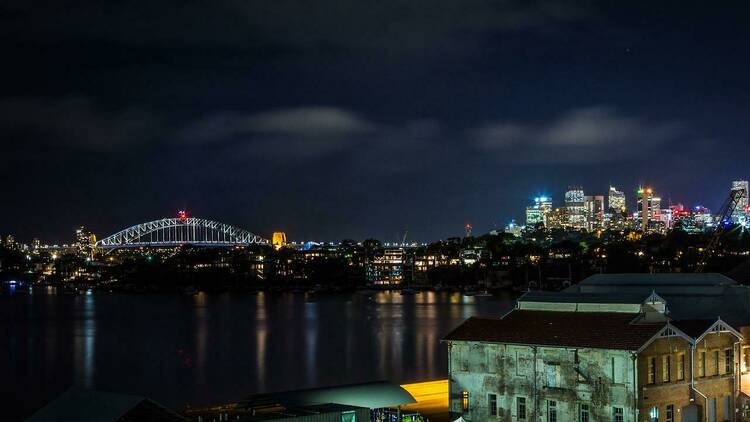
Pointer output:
x,y
739,216
616,200
574,203
388,269
615,347
372,401
85,241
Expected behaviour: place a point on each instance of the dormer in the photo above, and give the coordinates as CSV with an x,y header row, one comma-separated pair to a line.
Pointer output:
x,y
654,309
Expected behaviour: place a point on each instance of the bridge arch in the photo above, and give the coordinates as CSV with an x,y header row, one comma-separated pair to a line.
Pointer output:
x,y
180,231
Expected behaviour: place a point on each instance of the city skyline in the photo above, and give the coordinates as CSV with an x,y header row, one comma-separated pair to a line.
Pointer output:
x,y
537,207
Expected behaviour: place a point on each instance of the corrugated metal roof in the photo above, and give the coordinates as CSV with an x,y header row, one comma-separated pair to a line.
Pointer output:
x,y
663,279
373,395
564,297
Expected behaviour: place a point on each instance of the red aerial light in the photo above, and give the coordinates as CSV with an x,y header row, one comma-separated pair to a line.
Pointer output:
x,y
182,215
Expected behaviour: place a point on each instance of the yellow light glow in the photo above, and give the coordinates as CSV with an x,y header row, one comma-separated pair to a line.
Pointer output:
x,y
431,397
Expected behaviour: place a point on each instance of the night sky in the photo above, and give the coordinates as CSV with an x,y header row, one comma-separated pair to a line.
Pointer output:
x,y
335,119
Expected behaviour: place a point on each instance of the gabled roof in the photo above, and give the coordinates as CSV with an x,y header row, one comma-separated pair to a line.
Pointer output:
x,y
693,327
599,330
98,406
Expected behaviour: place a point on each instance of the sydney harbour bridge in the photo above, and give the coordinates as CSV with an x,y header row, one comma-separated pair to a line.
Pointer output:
x,y
181,230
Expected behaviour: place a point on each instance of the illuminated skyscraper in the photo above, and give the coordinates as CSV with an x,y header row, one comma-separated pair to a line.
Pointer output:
x,y
594,205
616,200
740,213
537,213
574,202
649,208
85,241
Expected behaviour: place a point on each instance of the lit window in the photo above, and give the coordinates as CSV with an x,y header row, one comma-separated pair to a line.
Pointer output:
x,y
465,401
728,361
702,365
680,366
521,408
716,362
653,414
651,370
492,404
666,367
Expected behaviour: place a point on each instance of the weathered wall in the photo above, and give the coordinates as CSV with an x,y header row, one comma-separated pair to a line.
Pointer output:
x,y
601,379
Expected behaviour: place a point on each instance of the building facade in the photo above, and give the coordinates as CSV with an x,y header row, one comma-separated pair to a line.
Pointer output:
x,y
594,205
739,215
649,209
607,350
574,203
616,200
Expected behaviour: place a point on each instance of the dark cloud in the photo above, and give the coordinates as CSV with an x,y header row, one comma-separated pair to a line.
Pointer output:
x,y
294,24
76,122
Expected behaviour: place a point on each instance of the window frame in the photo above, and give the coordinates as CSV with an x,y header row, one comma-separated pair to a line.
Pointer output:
x,y
618,414
716,366
492,403
521,405
651,370
669,413
666,368
551,410
681,366
584,409
728,361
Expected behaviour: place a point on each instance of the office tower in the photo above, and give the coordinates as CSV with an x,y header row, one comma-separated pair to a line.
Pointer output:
x,y
594,205
574,202
537,212
739,215
616,200
649,208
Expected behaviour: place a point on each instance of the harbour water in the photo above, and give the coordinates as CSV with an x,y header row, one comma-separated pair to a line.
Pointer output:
x,y
201,348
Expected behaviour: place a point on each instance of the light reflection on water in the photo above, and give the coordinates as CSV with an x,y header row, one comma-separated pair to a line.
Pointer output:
x,y
205,348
